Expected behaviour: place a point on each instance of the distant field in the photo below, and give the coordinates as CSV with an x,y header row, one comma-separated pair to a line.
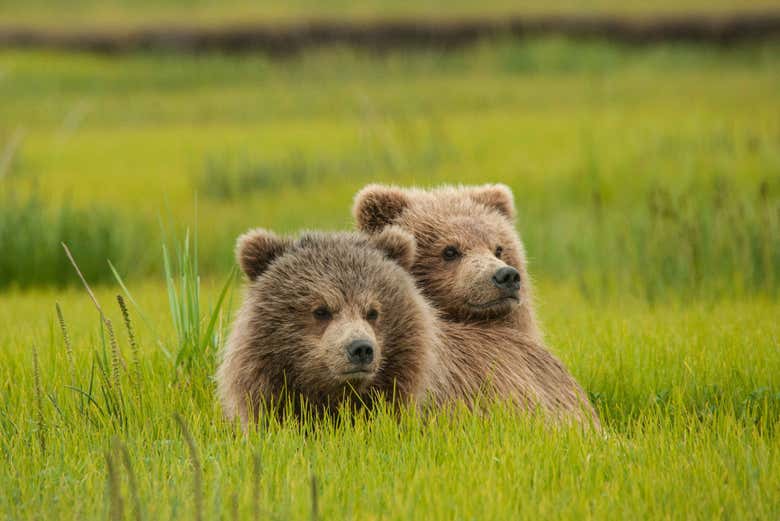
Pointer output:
x,y
639,170
121,14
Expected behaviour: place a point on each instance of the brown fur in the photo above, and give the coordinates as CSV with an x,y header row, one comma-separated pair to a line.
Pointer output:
x,y
279,351
489,343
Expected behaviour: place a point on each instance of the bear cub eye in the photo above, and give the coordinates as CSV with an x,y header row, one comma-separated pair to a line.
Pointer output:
x,y
372,315
322,313
450,253
499,251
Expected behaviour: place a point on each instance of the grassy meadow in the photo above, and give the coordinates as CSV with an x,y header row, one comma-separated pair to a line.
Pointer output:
x,y
647,181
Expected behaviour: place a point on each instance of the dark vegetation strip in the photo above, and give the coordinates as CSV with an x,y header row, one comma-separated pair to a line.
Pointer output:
x,y
709,237
382,35
31,233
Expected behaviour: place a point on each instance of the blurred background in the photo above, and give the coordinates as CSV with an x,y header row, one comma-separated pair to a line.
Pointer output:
x,y
641,139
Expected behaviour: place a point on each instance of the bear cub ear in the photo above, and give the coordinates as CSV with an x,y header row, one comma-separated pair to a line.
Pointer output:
x,y
397,244
377,206
498,197
256,249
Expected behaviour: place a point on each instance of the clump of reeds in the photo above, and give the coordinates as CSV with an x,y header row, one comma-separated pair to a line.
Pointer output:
x,y
196,344
112,380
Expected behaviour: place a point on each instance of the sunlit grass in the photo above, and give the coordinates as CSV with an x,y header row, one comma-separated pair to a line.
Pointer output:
x,y
688,395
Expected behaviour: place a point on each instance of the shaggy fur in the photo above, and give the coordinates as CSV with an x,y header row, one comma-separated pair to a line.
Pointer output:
x,y
490,341
281,350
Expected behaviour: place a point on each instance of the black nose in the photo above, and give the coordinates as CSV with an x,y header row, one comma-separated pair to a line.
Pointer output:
x,y
507,278
360,352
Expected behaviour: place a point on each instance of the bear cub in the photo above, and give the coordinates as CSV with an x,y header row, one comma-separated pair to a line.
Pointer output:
x,y
328,318
471,264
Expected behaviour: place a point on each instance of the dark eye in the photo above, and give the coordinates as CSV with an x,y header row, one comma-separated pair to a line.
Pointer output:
x,y
322,313
372,315
499,251
450,253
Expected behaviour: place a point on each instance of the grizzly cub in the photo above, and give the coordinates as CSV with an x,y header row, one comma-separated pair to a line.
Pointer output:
x,y
471,264
328,317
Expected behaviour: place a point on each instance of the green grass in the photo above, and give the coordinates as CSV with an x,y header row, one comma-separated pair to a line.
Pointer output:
x,y
688,394
648,195
32,233
649,170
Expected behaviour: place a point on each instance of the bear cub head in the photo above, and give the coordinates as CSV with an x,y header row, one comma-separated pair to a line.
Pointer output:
x,y
470,262
328,317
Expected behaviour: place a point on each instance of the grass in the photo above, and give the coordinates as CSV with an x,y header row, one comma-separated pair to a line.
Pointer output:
x,y
648,197
197,342
688,394
648,169
31,233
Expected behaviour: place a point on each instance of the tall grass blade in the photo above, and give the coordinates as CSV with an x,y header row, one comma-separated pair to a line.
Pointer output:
x,y
209,332
68,346
135,374
40,420
197,472
138,308
257,471
315,510
116,503
131,480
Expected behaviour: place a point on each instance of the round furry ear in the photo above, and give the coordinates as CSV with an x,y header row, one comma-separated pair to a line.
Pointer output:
x,y
397,244
377,206
256,249
498,197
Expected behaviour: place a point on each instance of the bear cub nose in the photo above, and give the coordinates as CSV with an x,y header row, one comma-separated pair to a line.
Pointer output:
x,y
360,352
507,279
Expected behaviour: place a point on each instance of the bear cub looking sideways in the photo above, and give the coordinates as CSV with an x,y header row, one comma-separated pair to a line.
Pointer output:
x,y
471,264
328,317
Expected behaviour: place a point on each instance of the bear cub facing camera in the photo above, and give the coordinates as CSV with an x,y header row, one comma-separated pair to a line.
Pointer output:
x,y
329,317
471,264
